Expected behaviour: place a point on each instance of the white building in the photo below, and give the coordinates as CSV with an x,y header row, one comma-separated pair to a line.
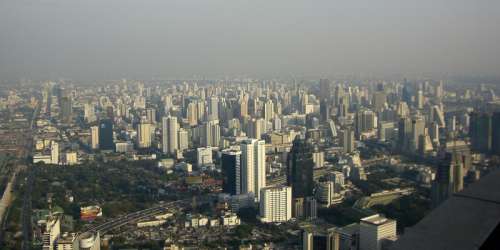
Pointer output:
x,y
325,192
54,152
204,156
94,132
253,166
144,135
373,230
170,129
276,204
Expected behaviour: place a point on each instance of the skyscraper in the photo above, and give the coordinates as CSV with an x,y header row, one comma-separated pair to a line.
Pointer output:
x,y
253,166
276,204
346,137
231,171
373,229
144,135
213,109
450,174
169,134
94,134
106,135
300,169
211,133
481,132
54,152
324,89
496,133
66,113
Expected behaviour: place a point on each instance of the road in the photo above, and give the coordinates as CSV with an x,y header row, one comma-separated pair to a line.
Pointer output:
x,y
134,217
7,195
26,211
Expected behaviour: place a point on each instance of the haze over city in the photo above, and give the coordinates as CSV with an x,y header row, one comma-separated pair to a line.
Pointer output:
x,y
112,39
243,125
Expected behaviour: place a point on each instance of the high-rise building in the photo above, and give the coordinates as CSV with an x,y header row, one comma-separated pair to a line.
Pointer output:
x,y
106,135
418,130
325,192
346,137
183,138
231,170
54,152
276,204
364,121
386,131
450,173
495,134
379,100
373,230
211,134
256,127
404,133
94,137
213,109
170,138
300,169
420,99
253,166
204,156
192,114
481,132
324,89
66,113
144,135
268,110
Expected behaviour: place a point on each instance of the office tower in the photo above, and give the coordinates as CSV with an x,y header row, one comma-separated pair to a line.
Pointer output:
x,y
373,230
253,166
449,175
66,109
268,110
106,135
405,131
183,138
324,110
231,171
324,89
144,135
300,169
151,115
211,134
200,110
385,131
420,99
204,156
54,152
346,137
243,107
379,100
318,158
437,116
325,192
434,133
276,124
418,130
94,137
192,114
89,112
495,133
402,110
276,204
313,239
364,121
255,128
213,109
480,132
170,129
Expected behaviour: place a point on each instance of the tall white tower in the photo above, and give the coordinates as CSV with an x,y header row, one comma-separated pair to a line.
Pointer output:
x,y
253,166
169,134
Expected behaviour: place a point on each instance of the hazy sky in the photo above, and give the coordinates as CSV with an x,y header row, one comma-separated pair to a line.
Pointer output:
x,y
110,39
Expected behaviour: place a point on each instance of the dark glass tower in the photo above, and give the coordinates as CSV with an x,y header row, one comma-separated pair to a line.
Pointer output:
x,y
495,141
300,169
231,169
106,135
480,132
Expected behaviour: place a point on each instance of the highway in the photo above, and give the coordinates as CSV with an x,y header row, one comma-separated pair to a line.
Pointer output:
x,y
134,217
